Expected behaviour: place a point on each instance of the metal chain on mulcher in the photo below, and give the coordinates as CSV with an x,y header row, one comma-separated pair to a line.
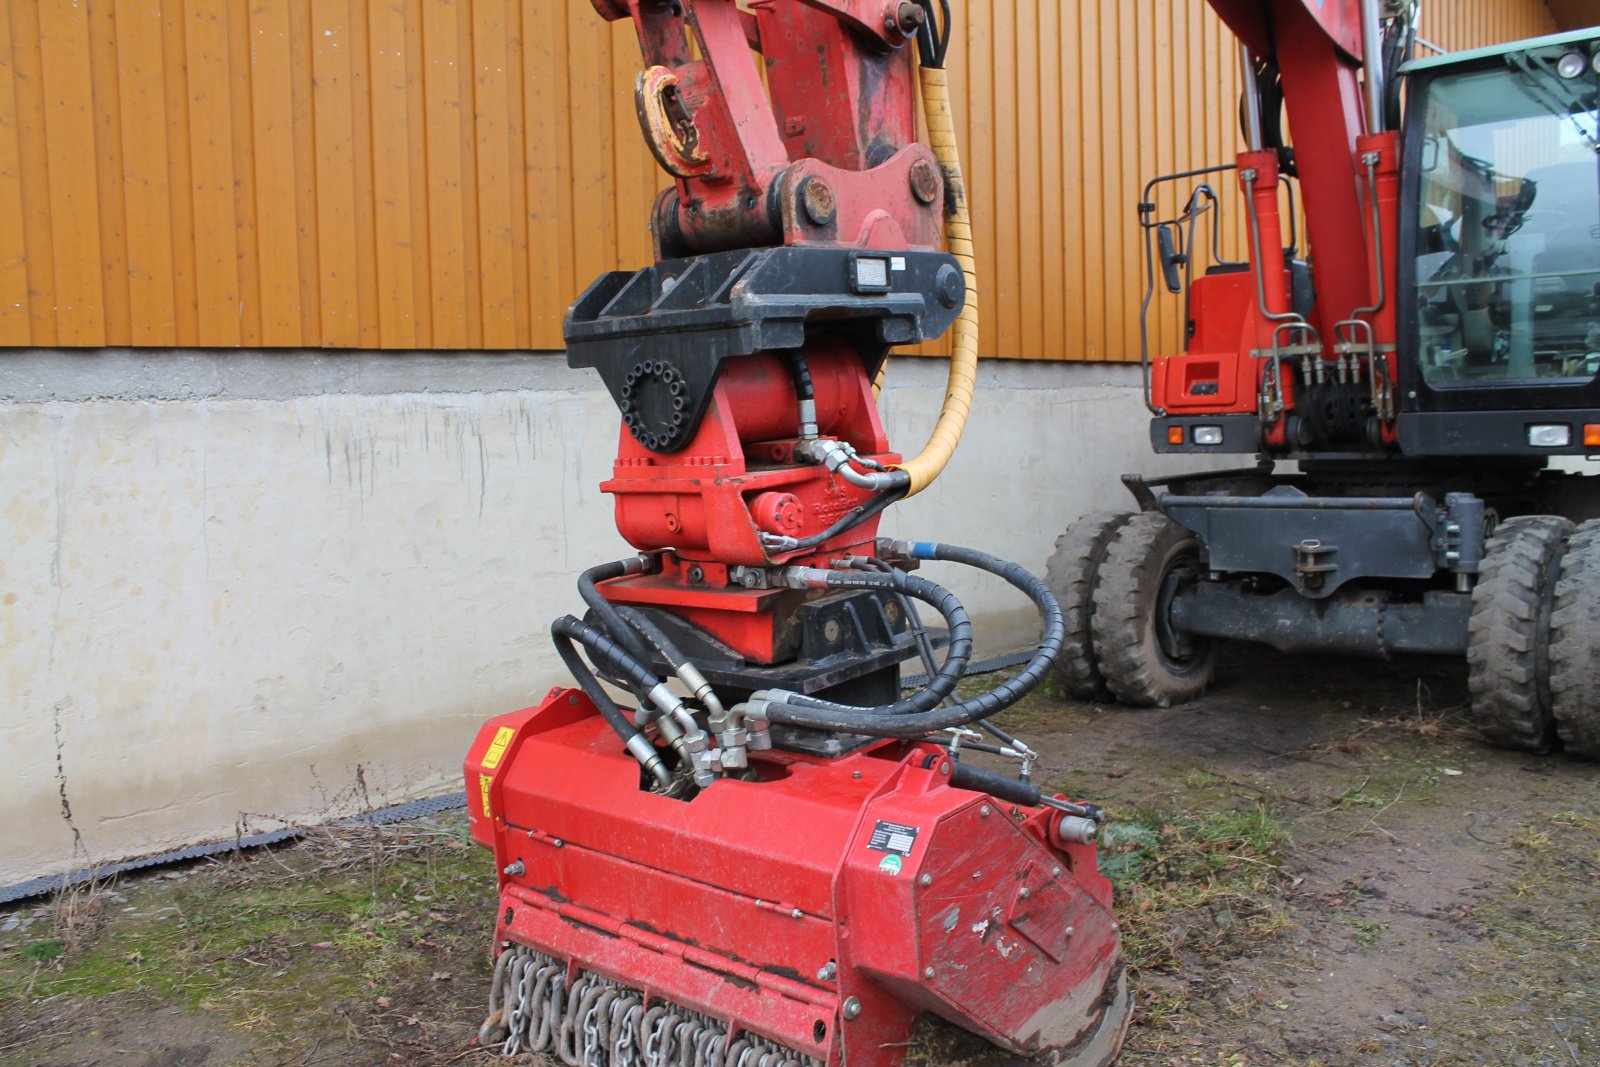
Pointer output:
x,y
594,1022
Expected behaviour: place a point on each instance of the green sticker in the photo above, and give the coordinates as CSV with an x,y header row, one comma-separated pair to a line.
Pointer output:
x,y
890,864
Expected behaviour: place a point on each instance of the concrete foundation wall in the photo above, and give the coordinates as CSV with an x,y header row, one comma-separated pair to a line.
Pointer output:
x,y
241,587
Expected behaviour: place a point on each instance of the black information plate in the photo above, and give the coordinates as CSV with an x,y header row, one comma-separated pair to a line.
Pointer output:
x,y
893,837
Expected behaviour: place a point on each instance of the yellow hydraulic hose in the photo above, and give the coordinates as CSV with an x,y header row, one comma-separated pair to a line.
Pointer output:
x,y
925,466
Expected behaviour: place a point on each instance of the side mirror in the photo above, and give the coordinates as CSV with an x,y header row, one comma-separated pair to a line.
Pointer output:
x,y
1171,258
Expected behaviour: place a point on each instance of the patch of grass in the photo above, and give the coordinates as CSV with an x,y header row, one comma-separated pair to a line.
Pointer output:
x,y
277,940
1366,931
42,951
1194,882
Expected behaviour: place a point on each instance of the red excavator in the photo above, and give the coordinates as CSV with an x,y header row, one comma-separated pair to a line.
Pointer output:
x,y
777,855
1409,373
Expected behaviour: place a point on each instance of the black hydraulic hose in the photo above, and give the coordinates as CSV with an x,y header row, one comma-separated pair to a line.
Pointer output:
x,y
800,371
852,519
957,653
563,632
883,722
610,622
655,635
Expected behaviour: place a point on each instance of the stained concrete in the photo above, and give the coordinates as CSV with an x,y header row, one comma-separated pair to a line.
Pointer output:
x,y
242,587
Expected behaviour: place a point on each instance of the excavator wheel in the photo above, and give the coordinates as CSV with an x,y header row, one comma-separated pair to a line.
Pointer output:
x,y
1072,574
1145,660
1508,634
1575,645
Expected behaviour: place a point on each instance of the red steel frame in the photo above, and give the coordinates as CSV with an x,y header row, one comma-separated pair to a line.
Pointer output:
x,y
1317,49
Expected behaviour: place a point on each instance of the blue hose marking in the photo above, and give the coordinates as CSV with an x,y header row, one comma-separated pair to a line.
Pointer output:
x,y
925,549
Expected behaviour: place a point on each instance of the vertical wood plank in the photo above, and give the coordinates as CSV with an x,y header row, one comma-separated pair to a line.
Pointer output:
x,y
366,245
272,137
417,176
15,326
301,99
335,169
443,124
391,174
980,164
517,163
69,154
106,109
549,167
180,214
147,198
1027,310
594,238
496,243
216,246
241,89
466,148
1056,294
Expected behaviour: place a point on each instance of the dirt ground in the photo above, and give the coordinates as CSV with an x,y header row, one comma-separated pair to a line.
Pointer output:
x,y
1314,866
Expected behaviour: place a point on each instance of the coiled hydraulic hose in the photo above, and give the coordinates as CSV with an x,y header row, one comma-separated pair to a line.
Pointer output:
x,y
886,720
959,652
926,465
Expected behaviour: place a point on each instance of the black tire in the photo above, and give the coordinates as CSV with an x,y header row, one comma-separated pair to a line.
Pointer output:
x,y
1145,661
1508,634
1072,574
1575,645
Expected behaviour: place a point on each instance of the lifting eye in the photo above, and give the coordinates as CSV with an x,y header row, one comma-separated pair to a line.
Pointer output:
x,y
668,127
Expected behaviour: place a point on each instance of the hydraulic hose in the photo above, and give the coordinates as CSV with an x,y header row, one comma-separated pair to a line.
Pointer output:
x,y
681,665
958,653
925,466
610,622
885,721
563,632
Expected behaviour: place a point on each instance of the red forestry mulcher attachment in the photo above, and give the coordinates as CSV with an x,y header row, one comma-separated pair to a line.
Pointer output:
x,y
783,858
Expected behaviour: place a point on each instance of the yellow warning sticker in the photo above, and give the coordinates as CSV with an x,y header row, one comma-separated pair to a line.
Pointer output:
x,y
484,781
497,747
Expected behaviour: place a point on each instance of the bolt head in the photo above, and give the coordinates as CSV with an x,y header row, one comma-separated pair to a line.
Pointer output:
x,y
1024,892
927,879
927,972
924,179
1055,871
852,1007
816,198
984,811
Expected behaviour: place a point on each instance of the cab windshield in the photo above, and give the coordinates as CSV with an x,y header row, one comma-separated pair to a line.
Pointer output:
x,y
1508,239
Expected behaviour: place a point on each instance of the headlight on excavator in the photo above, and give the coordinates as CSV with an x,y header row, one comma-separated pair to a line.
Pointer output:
x,y
1549,435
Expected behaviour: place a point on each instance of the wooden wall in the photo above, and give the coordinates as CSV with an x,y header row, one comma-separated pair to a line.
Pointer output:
x,y
450,173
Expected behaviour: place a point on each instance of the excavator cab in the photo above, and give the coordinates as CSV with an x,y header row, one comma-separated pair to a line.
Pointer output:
x,y
1499,255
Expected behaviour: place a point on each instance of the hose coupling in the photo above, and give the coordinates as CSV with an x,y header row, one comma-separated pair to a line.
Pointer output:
x,y
732,754
665,699
808,420
805,577
837,455
1075,830
753,713
778,542
705,766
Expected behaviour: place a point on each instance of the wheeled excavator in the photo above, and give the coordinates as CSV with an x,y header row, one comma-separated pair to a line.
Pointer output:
x,y
1407,346
769,852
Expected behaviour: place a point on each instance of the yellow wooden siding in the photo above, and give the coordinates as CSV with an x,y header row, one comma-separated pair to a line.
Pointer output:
x,y
437,174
